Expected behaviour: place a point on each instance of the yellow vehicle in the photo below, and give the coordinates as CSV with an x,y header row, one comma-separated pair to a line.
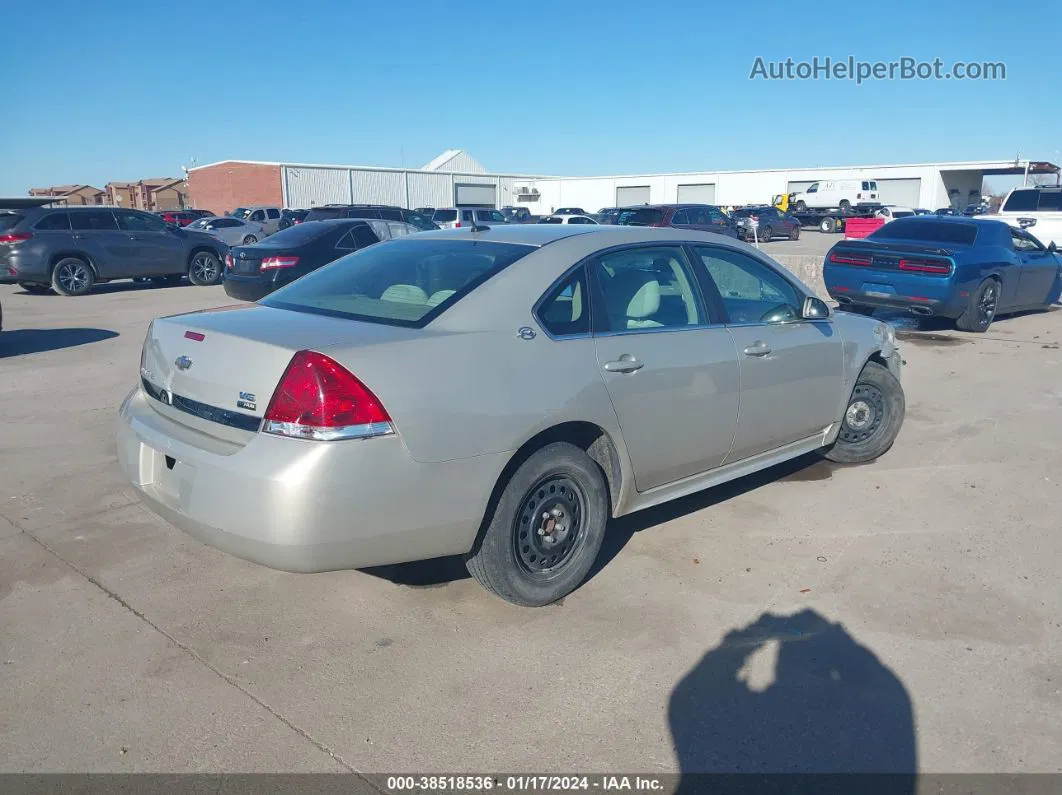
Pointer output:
x,y
781,202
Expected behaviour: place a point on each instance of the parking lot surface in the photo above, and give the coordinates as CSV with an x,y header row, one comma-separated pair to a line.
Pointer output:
x,y
902,614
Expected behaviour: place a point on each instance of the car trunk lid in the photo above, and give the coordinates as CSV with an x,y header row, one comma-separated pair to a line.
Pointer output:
x,y
215,371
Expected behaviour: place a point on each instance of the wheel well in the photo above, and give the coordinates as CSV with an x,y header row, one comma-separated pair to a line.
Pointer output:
x,y
878,358
585,435
199,249
72,255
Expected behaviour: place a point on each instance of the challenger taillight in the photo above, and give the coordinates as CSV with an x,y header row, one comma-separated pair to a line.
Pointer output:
x,y
925,266
278,263
851,259
317,398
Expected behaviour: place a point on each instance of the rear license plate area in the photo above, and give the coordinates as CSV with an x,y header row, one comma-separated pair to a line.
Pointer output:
x,y
878,290
172,476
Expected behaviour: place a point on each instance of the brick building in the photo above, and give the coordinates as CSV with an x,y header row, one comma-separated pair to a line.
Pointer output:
x,y
224,186
72,194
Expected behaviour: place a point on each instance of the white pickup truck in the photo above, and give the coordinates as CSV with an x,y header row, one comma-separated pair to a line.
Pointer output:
x,y
1038,210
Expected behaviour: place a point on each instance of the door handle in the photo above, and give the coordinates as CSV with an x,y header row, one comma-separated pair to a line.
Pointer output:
x,y
625,364
758,348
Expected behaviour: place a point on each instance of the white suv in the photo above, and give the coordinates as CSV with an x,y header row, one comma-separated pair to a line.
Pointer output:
x,y
1038,210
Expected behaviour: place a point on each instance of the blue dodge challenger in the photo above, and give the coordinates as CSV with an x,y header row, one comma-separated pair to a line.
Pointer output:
x,y
967,269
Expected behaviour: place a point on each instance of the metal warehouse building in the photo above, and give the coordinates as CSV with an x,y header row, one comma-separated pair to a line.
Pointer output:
x,y
455,178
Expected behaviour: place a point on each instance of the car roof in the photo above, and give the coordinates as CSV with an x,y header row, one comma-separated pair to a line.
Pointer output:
x,y
539,235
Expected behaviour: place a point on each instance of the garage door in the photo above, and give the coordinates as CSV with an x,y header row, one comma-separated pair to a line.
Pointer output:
x,y
475,195
630,195
899,191
696,194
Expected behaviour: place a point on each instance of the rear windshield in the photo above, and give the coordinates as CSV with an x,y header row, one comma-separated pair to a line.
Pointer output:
x,y
323,214
405,282
551,220
299,234
8,220
928,230
444,216
643,216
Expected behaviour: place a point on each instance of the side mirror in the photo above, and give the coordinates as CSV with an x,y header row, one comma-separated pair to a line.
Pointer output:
x,y
1052,247
814,309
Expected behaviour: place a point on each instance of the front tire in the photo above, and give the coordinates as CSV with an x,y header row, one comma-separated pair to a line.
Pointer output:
x,y
872,418
845,205
801,207
205,269
981,309
546,530
72,276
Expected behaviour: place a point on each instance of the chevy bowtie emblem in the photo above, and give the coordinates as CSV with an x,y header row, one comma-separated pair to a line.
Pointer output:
x,y
182,362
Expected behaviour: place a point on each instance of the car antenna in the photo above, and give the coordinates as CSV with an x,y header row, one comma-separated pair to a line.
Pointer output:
x,y
478,227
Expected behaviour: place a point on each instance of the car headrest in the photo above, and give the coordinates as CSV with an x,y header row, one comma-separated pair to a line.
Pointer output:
x,y
633,294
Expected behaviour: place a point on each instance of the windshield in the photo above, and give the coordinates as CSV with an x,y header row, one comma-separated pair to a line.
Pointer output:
x,y
240,212
199,224
300,234
927,230
643,216
405,282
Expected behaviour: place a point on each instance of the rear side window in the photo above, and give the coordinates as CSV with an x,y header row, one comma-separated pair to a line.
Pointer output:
x,y
9,220
491,216
271,213
1022,201
390,215
364,236
444,216
258,215
405,282
551,219
916,228
565,309
54,222
1050,200
467,215
361,212
299,234
93,220
418,220
322,214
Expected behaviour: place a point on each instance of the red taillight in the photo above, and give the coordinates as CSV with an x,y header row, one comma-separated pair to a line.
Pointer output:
x,y
925,266
317,398
457,225
228,262
276,263
850,259
15,237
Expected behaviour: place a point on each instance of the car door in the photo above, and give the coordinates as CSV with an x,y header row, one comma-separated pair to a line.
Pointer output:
x,y
155,249
670,365
1038,271
792,370
96,232
272,222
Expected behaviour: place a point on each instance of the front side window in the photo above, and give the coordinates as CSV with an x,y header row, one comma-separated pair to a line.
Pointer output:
x,y
813,188
492,216
1024,242
580,219
680,218
406,282
56,222
641,216
135,222
94,221
646,288
751,290
565,309
468,215
1022,201
258,215
420,221
551,219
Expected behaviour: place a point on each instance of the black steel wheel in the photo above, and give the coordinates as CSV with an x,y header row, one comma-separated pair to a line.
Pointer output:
x,y
542,537
981,309
872,418
72,276
204,269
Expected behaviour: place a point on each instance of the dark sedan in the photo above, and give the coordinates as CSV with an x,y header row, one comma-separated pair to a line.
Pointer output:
x,y
769,222
254,271
703,217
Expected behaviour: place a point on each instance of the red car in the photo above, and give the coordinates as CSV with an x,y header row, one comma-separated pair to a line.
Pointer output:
x,y
182,217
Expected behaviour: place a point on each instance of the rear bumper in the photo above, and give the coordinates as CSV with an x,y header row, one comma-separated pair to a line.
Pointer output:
x,y
924,295
245,288
300,505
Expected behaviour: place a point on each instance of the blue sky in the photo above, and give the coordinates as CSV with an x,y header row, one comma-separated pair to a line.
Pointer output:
x,y
121,90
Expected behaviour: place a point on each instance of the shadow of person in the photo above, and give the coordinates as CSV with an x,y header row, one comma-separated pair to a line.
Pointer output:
x,y
792,695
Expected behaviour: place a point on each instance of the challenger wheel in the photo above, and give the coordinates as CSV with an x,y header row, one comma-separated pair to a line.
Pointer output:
x,y
981,309
546,530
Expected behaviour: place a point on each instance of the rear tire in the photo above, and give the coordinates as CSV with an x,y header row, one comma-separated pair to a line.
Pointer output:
x,y
35,289
766,233
72,276
204,269
546,530
872,418
981,309
795,233
827,225
845,205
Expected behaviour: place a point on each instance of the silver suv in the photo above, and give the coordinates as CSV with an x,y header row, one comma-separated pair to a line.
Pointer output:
x,y
449,219
268,217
